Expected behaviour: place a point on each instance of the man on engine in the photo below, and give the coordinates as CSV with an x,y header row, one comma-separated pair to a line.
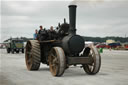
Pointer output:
x,y
52,33
42,34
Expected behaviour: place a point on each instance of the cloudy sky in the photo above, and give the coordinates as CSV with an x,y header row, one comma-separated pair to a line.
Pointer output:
x,y
96,18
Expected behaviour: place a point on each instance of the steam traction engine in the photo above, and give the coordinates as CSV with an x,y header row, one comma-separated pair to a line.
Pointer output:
x,y
66,49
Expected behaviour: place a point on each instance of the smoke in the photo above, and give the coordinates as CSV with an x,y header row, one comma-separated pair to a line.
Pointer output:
x,y
93,2
86,2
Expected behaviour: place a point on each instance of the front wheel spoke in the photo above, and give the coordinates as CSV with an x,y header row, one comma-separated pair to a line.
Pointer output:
x,y
91,68
90,55
93,64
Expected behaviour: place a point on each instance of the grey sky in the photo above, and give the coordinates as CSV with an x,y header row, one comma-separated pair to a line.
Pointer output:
x,y
21,18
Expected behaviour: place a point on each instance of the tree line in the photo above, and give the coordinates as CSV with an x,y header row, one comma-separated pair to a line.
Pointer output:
x,y
93,39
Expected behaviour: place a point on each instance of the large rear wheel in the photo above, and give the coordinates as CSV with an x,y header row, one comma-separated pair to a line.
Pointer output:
x,y
94,67
32,55
57,61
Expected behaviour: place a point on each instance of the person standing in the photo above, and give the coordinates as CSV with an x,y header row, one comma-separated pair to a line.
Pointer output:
x,y
35,34
41,28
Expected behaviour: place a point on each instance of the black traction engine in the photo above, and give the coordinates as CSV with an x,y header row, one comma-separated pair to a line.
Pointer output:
x,y
61,49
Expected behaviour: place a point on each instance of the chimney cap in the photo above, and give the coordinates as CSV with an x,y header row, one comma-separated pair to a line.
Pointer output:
x,y
72,6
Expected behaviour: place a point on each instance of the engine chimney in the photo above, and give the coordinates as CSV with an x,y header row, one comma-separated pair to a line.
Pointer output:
x,y
72,19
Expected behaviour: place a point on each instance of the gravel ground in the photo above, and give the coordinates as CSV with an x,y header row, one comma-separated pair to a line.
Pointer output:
x,y
114,71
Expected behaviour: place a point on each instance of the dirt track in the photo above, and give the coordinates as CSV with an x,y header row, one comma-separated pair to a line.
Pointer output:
x,y
114,71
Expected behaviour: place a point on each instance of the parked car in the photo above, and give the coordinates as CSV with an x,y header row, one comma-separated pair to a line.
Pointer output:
x,y
126,46
101,45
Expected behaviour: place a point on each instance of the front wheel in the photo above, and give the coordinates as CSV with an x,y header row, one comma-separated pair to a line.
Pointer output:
x,y
57,61
94,67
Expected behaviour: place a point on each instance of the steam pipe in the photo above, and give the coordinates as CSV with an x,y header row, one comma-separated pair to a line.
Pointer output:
x,y
72,19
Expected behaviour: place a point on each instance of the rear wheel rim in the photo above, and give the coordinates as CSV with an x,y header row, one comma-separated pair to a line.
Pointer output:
x,y
28,55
